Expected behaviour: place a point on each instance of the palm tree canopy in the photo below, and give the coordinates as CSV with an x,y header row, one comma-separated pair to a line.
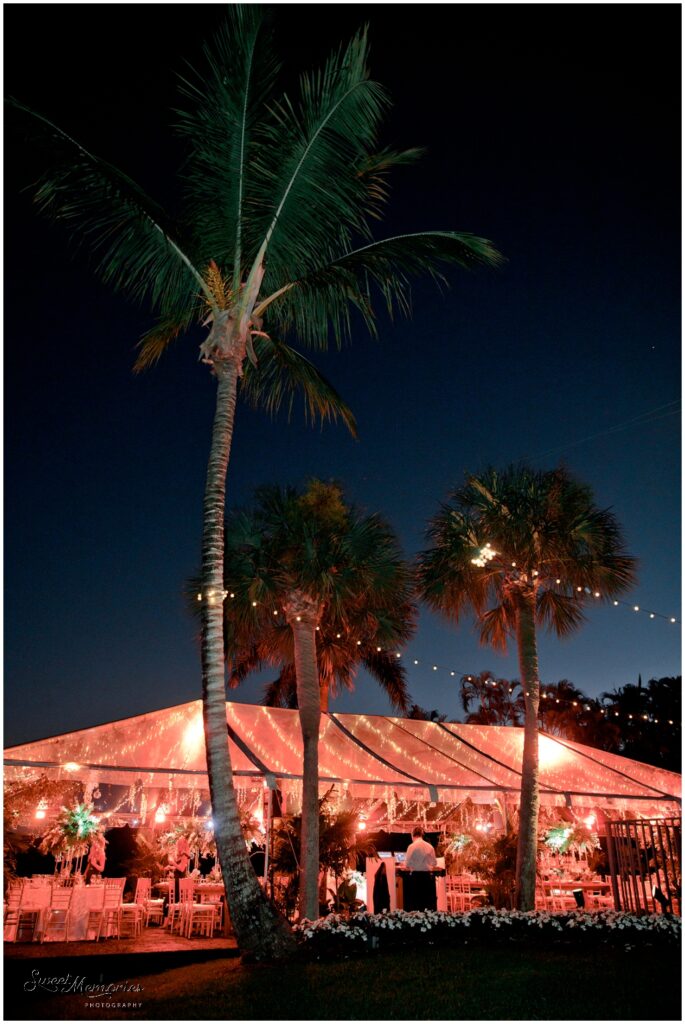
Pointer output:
x,y
279,195
496,701
339,662
349,563
523,530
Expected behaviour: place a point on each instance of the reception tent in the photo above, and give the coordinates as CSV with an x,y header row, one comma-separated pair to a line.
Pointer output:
x,y
364,756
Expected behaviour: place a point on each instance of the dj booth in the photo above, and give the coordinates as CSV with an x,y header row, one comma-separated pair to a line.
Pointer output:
x,y
407,890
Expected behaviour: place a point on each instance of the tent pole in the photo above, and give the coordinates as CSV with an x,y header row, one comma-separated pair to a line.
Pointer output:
x,y
268,839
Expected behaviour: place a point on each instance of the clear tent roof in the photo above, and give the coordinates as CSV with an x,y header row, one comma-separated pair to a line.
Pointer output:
x,y
369,755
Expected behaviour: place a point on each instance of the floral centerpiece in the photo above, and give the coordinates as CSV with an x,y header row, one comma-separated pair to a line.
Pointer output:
x,y
199,837
454,848
71,835
565,836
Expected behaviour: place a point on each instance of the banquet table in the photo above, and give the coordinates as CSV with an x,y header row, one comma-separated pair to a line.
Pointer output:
x,y
568,884
84,899
212,889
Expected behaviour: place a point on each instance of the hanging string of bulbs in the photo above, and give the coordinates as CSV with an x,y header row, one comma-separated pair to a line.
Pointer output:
x,y
483,558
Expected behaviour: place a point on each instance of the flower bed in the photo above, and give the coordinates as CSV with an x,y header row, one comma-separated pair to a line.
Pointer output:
x,y
360,933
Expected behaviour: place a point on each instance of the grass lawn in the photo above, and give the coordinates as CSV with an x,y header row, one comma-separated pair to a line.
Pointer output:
x,y
443,984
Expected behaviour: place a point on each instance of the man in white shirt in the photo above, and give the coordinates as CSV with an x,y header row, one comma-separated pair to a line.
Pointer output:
x,y
419,880
420,854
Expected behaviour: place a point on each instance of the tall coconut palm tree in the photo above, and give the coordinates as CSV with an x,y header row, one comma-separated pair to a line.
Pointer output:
x,y
294,558
273,240
521,549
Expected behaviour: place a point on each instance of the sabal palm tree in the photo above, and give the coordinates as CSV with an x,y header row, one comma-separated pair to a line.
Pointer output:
x,y
273,240
521,549
293,559
342,648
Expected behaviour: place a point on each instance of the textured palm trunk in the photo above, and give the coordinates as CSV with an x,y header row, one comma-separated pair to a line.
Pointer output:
x,y
526,857
303,616
261,932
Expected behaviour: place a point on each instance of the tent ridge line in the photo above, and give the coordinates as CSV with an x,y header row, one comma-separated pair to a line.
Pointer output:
x,y
549,789
242,745
378,757
450,758
595,760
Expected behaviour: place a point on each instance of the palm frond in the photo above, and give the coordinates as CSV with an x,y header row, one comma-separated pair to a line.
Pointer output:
x,y
373,173
227,101
496,626
391,676
282,692
559,612
154,343
137,247
303,196
317,304
280,374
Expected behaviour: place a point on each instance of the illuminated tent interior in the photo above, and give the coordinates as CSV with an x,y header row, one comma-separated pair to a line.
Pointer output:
x,y
134,766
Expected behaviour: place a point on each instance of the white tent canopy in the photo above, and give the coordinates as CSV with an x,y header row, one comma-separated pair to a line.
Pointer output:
x,y
368,756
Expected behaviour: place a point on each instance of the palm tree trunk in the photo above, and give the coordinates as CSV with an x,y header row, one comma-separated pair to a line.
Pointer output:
x,y
303,615
261,932
526,857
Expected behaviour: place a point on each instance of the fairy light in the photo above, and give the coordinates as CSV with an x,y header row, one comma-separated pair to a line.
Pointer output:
x,y
485,555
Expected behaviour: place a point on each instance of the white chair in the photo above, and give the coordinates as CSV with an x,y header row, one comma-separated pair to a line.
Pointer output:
x,y
12,911
56,917
455,894
110,911
153,909
95,913
200,917
177,907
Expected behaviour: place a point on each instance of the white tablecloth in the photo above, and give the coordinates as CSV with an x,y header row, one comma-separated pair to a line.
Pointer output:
x,y
84,898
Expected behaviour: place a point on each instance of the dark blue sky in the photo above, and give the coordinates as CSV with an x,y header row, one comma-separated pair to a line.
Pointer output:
x,y
553,130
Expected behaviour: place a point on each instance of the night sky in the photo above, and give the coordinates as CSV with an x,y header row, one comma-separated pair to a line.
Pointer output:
x,y
554,131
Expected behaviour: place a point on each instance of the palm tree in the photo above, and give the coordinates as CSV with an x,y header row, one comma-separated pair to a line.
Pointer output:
x,y
521,549
273,240
342,648
291,560
561,704
497,701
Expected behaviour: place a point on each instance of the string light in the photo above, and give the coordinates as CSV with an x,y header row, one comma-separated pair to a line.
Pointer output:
x,y
485,555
